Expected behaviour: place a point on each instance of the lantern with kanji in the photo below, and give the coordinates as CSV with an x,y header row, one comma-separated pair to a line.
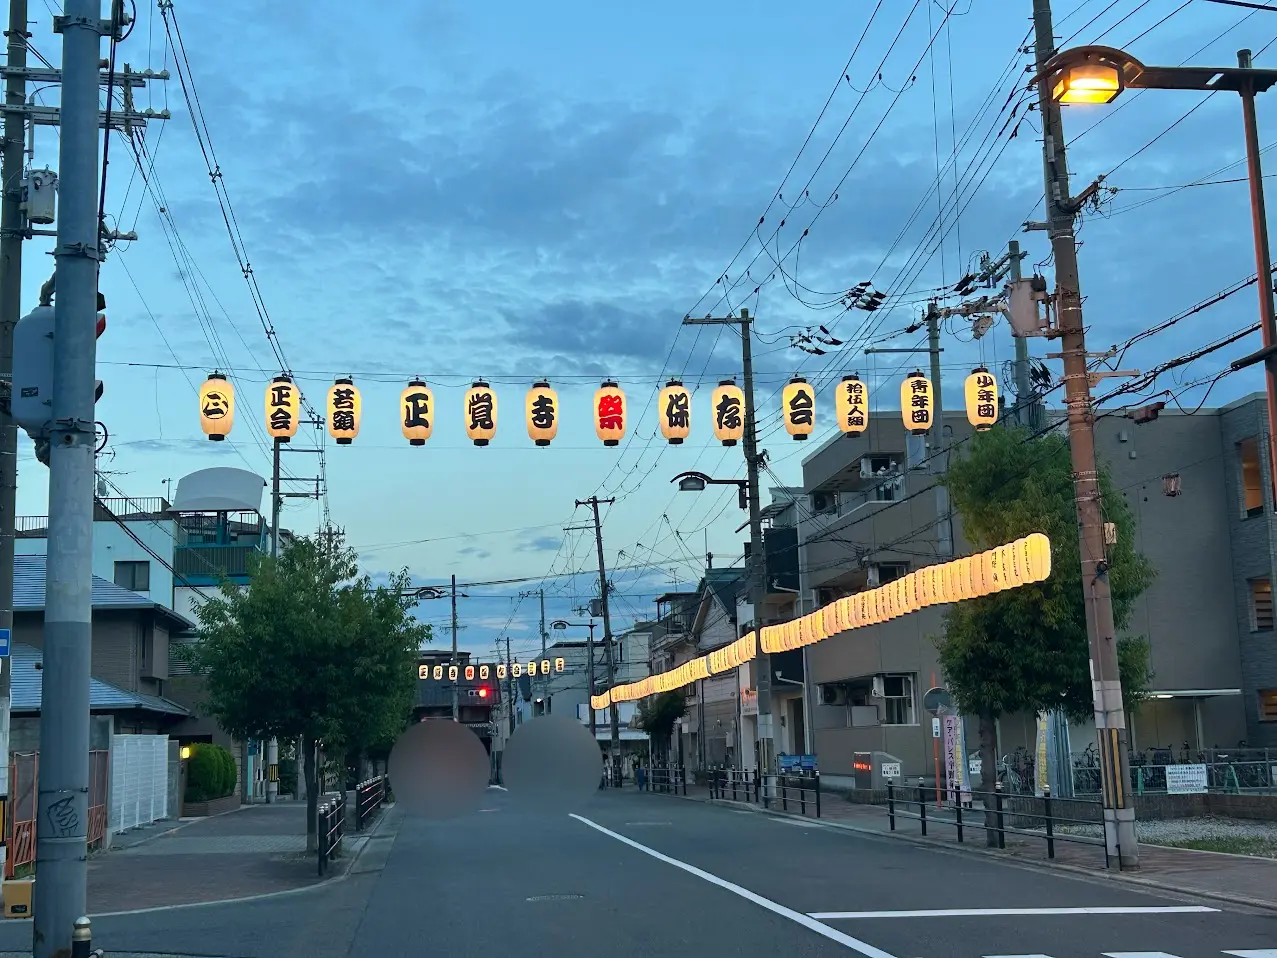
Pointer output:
x,y
283,406
344,409
481,413
609,413
798,407
851,405
543,413
728,401
417,412
982,398
217,407
675,410
915,403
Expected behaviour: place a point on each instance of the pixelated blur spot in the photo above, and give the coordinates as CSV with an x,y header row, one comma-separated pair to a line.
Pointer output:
x,y
438,769
551,764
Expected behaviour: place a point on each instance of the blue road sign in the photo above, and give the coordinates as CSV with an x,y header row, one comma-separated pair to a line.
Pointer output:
x,y
4,643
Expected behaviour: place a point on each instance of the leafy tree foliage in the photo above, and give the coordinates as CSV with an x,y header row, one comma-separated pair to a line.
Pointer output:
x,y
659,713
311,650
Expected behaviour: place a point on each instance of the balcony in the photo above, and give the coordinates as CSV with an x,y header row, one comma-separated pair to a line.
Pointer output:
x,y
144,509
192,561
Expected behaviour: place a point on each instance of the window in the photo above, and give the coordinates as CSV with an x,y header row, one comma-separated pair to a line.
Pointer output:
x,y
1268,705
897,693
891,571
1252,482
134,576
1261,605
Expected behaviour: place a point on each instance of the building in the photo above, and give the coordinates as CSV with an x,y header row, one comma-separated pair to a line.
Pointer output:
x,y
478,699
1200,489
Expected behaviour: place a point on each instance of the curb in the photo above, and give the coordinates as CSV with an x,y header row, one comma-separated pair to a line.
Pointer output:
x,y
1041,867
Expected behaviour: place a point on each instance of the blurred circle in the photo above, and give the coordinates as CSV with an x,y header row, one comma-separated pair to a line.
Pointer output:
x,y
552,763
438,769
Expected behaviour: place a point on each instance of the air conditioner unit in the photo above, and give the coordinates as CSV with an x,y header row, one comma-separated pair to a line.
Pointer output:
x,y
823,502
879,691
833,695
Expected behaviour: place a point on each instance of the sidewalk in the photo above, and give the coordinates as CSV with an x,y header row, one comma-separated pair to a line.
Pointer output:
x,y
256,850
1234,878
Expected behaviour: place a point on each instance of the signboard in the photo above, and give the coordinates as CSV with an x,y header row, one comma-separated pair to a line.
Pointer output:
x,y
5,643
957,769
1185,779
935,728
797,763
749,702
890,769
975,766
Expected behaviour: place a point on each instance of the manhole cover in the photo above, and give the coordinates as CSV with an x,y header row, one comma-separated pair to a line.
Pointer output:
x,y
555,897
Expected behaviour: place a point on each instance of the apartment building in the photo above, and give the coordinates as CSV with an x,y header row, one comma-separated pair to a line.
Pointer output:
x,y
1200,489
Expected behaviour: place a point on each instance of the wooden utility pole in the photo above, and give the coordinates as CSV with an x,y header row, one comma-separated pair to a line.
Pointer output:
x,y
593,502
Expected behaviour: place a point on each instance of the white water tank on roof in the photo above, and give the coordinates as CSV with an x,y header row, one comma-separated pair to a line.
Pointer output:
x,y
220,489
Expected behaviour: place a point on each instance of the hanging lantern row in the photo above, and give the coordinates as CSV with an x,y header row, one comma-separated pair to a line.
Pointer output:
x,y
610,409
483,672
1009,566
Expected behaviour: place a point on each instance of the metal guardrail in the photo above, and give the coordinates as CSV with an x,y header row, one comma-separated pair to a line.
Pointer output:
x,y
747,785
369,797
331,827
918,797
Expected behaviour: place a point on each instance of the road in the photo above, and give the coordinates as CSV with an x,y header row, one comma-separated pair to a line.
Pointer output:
x,y
652,875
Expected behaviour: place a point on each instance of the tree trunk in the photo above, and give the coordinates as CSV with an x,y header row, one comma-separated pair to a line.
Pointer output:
x,y
989,775
312,793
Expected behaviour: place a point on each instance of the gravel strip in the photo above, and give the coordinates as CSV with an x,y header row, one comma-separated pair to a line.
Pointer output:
x,y
1179,831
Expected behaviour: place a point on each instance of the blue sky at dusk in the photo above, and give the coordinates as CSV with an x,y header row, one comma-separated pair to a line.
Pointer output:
x,y
516,191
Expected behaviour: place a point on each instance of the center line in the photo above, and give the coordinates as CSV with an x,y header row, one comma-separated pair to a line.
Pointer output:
x,y
994,912
807,921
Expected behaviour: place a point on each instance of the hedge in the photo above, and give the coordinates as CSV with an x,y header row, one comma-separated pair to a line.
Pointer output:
x,y
210,773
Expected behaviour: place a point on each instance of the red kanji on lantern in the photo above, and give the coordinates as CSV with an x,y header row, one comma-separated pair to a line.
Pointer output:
x,y
609,413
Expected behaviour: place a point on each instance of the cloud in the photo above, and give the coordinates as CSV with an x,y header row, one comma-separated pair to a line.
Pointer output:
x,y
540,544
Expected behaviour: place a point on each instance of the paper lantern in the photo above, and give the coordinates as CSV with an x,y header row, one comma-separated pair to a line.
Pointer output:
x,y
481,413
798,406
484,672
452,673
417,412
559,665
438,672
728,401
915,403
283,406
543,413
345,406
501,670
1039,556
675,410
982,399
545,666
609,413
851,405
217,407
469,673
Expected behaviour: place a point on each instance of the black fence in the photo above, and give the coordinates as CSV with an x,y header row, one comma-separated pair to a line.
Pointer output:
x,y
331,827
369,797
960,817
670,779
788,792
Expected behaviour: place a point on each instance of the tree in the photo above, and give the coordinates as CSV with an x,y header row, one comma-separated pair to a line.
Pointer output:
x,y
658,713
310,650
1026,649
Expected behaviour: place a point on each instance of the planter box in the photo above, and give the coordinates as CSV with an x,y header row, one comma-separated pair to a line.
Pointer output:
x,y
215,807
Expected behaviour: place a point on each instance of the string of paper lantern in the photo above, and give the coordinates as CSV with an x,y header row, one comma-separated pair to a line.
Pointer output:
x,y
610,409
483,672
1009,566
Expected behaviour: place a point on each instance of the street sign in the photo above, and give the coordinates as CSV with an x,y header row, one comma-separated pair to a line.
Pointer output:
x,y
890,769
937,700
935,728
5,643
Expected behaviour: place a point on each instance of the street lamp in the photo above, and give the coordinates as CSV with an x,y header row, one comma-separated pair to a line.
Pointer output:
x,y
698,481
560,625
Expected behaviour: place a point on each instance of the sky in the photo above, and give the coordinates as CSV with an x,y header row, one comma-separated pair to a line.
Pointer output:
x,y
520,191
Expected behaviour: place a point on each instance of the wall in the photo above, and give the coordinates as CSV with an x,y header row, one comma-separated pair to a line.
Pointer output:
x,y
112,544
139,781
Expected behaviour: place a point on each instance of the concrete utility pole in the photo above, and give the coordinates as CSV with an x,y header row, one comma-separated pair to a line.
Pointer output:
x,y
15,94
456,682
1110,718
1024,411
545,679
756,567
62,804
593,503
939,461
509,683
589,658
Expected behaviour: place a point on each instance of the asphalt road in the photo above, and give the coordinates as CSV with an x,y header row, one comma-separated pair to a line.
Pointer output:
x,y
648,875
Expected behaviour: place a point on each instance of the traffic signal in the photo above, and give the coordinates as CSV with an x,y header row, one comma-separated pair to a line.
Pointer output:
x,y
483,692
31,402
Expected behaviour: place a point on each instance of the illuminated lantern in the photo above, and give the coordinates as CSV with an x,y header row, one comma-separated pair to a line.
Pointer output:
x,y
469,673
217,407
283,405
484,672
675,410
609,413
1039,556
915,403
545,666
559,665
851,405
501,670
982,399
543,413
798,406
532,668
516,670
417,412
481,413
452,673
728,401
438,672
344,409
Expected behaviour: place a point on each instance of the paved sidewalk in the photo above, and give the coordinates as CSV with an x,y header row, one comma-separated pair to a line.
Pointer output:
x,y
1235,878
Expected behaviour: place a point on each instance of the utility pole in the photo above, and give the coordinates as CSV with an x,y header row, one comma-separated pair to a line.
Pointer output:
x,y
756,567
589,657
1025,413
593,503
509,684
545,679
15,94
938,460
1110,718
62,803
456,682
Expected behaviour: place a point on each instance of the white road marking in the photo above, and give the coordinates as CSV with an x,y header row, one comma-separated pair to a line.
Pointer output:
x,y
1017,956
499,788
833,934
1261,953
1137,954
994,912
798,822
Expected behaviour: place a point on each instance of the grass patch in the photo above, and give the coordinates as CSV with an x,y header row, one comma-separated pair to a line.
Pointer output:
x,y
1229,844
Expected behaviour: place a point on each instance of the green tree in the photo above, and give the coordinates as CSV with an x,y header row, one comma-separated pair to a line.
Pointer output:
x,y
1026,649
657,715
310,650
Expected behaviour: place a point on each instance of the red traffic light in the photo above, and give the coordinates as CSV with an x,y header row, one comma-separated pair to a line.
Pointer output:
x,y
483,693
101,325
